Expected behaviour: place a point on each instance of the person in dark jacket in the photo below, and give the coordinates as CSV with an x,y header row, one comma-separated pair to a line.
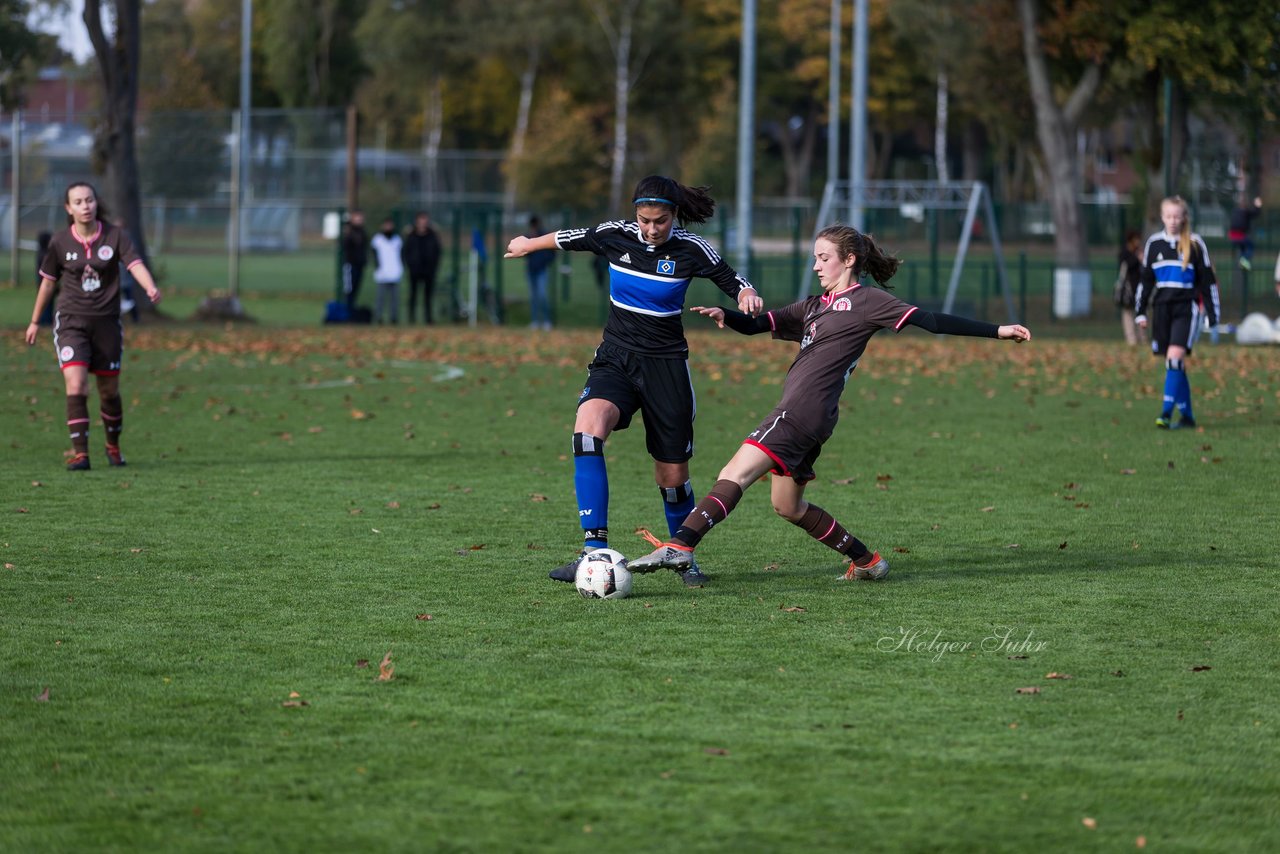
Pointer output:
x,y
355,254
1238,231
421,256
1126,288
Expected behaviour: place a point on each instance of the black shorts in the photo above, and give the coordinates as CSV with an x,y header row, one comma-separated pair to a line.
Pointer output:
x,y
793,448
661,389
1175,323
94,342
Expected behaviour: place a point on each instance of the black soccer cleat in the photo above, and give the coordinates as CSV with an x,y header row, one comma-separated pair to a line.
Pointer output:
x,y
114,457
568,573
1186,423
694,577
78,462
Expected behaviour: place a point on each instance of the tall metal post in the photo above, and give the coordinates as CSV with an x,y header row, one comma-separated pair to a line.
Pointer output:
x,y
833,99
15,194
858,116
746,133
242,147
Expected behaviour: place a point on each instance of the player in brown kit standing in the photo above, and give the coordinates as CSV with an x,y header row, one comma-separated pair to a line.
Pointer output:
x,y
88,337
833,330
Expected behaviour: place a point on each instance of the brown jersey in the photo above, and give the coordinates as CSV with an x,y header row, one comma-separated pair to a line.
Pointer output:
x,y
833,331
88,271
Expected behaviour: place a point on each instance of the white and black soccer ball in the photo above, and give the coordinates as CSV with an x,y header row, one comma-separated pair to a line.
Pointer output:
x,y
603,574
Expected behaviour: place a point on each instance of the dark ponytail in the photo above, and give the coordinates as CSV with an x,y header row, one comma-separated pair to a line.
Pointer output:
x,y
871,259
690,204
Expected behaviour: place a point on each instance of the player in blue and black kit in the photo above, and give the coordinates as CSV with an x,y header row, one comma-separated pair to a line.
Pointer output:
x,y
1181,288
642,364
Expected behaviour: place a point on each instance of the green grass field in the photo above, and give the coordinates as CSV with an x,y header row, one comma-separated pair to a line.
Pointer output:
x,y
191,645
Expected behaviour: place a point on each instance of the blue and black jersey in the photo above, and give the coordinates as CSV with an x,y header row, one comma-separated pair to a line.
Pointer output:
x,y
647,283
1166,279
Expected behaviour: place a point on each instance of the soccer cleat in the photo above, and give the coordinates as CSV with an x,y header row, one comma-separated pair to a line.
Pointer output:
x,y
78,462
1185,423
694,577
569,572
666,556
1163,422
114,457
874,571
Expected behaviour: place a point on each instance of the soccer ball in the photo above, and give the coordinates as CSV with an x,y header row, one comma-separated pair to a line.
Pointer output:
x,y
603,574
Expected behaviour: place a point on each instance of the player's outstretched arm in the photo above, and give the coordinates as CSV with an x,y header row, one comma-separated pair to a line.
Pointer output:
x,y
950,324
735,320
521,246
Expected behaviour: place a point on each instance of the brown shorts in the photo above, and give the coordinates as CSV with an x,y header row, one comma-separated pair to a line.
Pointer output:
x,y
792,448
94,342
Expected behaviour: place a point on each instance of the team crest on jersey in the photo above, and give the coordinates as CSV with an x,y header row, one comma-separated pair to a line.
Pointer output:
x,y
105,253
842,304
666,267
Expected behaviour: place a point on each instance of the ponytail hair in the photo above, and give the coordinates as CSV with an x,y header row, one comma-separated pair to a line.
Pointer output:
x,y
870,258
689,204
1184,236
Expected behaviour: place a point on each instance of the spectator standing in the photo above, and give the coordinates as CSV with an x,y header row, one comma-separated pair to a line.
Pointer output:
x,y
1127,285
43,239
387,248
1238,231
355,254
538,270
421,257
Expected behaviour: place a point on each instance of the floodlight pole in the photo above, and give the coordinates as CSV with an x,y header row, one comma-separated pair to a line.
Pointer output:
x,y
746,134
858,117
833,98
241,159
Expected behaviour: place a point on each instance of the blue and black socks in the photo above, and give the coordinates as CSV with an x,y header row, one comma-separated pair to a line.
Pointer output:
x,y
1177,390
591,483
677,503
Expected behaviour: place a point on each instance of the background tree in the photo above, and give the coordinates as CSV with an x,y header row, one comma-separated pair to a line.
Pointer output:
x,y
115,151
20,51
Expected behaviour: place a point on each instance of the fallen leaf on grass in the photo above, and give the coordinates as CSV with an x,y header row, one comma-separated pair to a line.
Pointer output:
x,y
9,566
361,415
771,567
23,510
1200,667
1140,842
1014,546
794,609
844,481
1056,675
362,662
1179,714
1170,463
1091,823
715,751
1128,471
294,704
1062,545
393,505
44,696
1017,657
36,483
1031,689
902,550
883,477
1117,673
423,617
355,511
135,551
988,508
533,496
386,670
477,547
435,506
533,547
